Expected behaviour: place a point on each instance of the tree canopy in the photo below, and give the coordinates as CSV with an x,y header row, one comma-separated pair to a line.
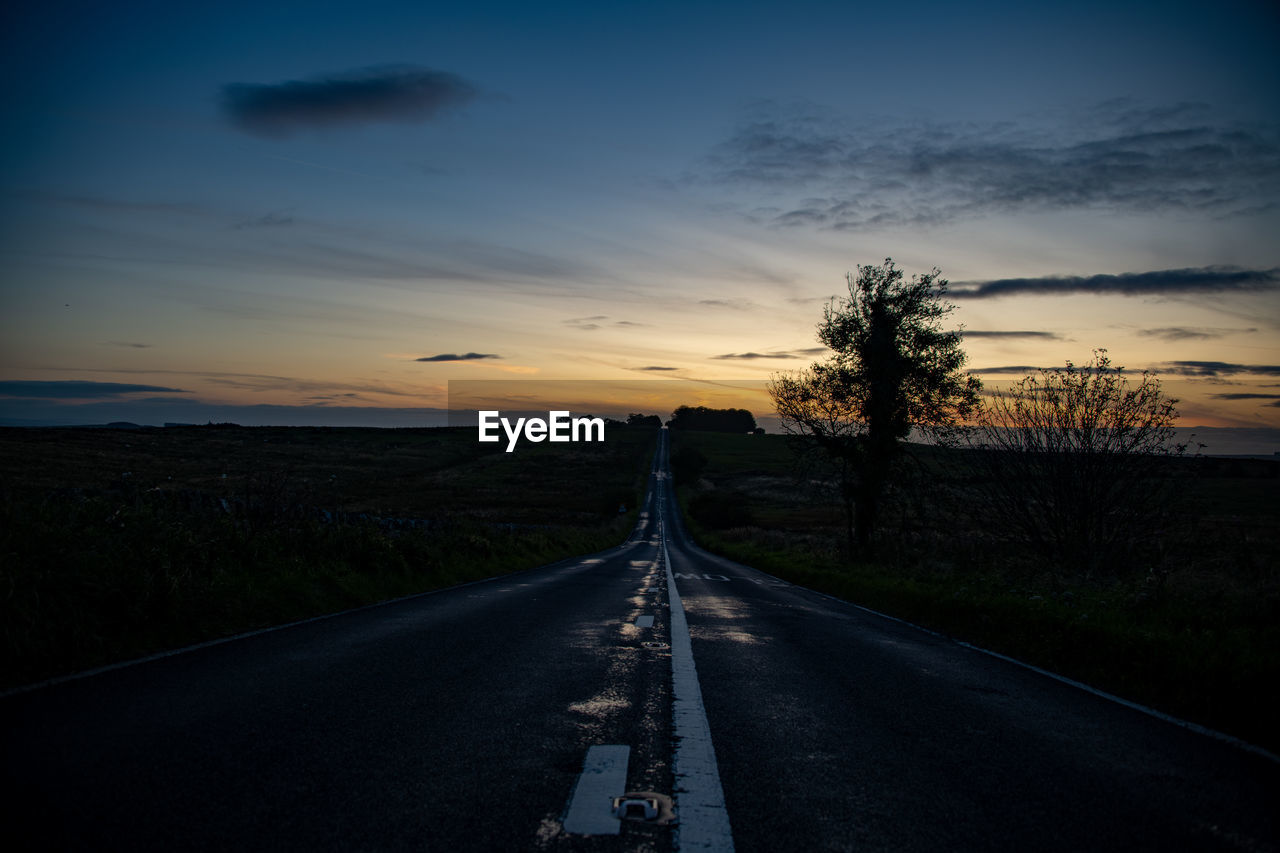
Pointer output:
x,y
712,420
893,368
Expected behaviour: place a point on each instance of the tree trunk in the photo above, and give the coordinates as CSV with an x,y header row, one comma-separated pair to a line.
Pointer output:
x,y
868,507
849,525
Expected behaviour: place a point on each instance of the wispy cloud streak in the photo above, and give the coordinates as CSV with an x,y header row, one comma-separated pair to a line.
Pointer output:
x,y
75,389
1118,156
1012,335
1216,279
1217,369
1173,334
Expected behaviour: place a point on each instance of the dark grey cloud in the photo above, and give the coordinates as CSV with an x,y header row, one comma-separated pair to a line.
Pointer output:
x,y
1021,369
76,389
748,356
1246,396
1191,333
1043,336
1216,279
1217,369
1118,155
657,368
467,356
391,93
803,352
126,344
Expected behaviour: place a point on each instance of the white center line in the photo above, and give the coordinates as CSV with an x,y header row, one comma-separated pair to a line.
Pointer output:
x,y
704,820
604,776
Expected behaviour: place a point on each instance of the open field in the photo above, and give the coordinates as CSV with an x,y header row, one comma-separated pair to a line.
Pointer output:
x,y
1192,627
118,543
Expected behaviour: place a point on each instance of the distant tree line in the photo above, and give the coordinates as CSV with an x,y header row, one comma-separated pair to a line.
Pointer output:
x,y
704,419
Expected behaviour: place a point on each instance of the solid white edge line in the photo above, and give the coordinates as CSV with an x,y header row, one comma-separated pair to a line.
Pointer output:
x,y
603,777
699,796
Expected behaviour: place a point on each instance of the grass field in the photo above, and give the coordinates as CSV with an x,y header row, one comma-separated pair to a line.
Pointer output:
x,y
117,543
1193,629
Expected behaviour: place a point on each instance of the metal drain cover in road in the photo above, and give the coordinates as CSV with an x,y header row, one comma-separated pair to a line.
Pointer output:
x,y
653,644
646,807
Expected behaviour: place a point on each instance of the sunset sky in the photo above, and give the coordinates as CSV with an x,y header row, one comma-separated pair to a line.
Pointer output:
x,y
323,212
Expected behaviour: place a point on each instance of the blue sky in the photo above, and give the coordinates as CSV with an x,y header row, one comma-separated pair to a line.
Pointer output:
x,y
307,207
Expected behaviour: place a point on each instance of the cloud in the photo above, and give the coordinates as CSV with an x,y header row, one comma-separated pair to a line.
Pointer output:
x,y
448,356
116,205
803,352
1215,279
656,368
267,220
1215,369
76,389
1190,333
159,411
586,324
1115,156
1246,397
1045,336
391,93
598,321
126,344
735,304
746,356
1021,369
266,383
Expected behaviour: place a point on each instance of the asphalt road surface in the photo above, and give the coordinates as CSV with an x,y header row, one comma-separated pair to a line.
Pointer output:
x,y
507,715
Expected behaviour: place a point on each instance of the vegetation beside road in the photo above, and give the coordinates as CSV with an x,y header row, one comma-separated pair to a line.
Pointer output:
x,y
118,543
1192,628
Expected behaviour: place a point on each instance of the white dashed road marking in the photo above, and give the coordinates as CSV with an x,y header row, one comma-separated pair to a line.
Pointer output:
x,y
604,776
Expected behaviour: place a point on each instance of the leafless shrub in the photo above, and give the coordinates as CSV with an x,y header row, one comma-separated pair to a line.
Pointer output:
x,y
1074,461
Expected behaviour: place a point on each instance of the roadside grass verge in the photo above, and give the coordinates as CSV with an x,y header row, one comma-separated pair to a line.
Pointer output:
x,y
1193,631
117,544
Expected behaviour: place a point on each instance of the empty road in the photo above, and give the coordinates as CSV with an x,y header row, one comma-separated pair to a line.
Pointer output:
x,y
505,715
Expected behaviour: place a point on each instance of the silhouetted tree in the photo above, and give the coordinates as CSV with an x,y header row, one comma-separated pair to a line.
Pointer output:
x,y
892,369
702,418
1074,460
642,420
